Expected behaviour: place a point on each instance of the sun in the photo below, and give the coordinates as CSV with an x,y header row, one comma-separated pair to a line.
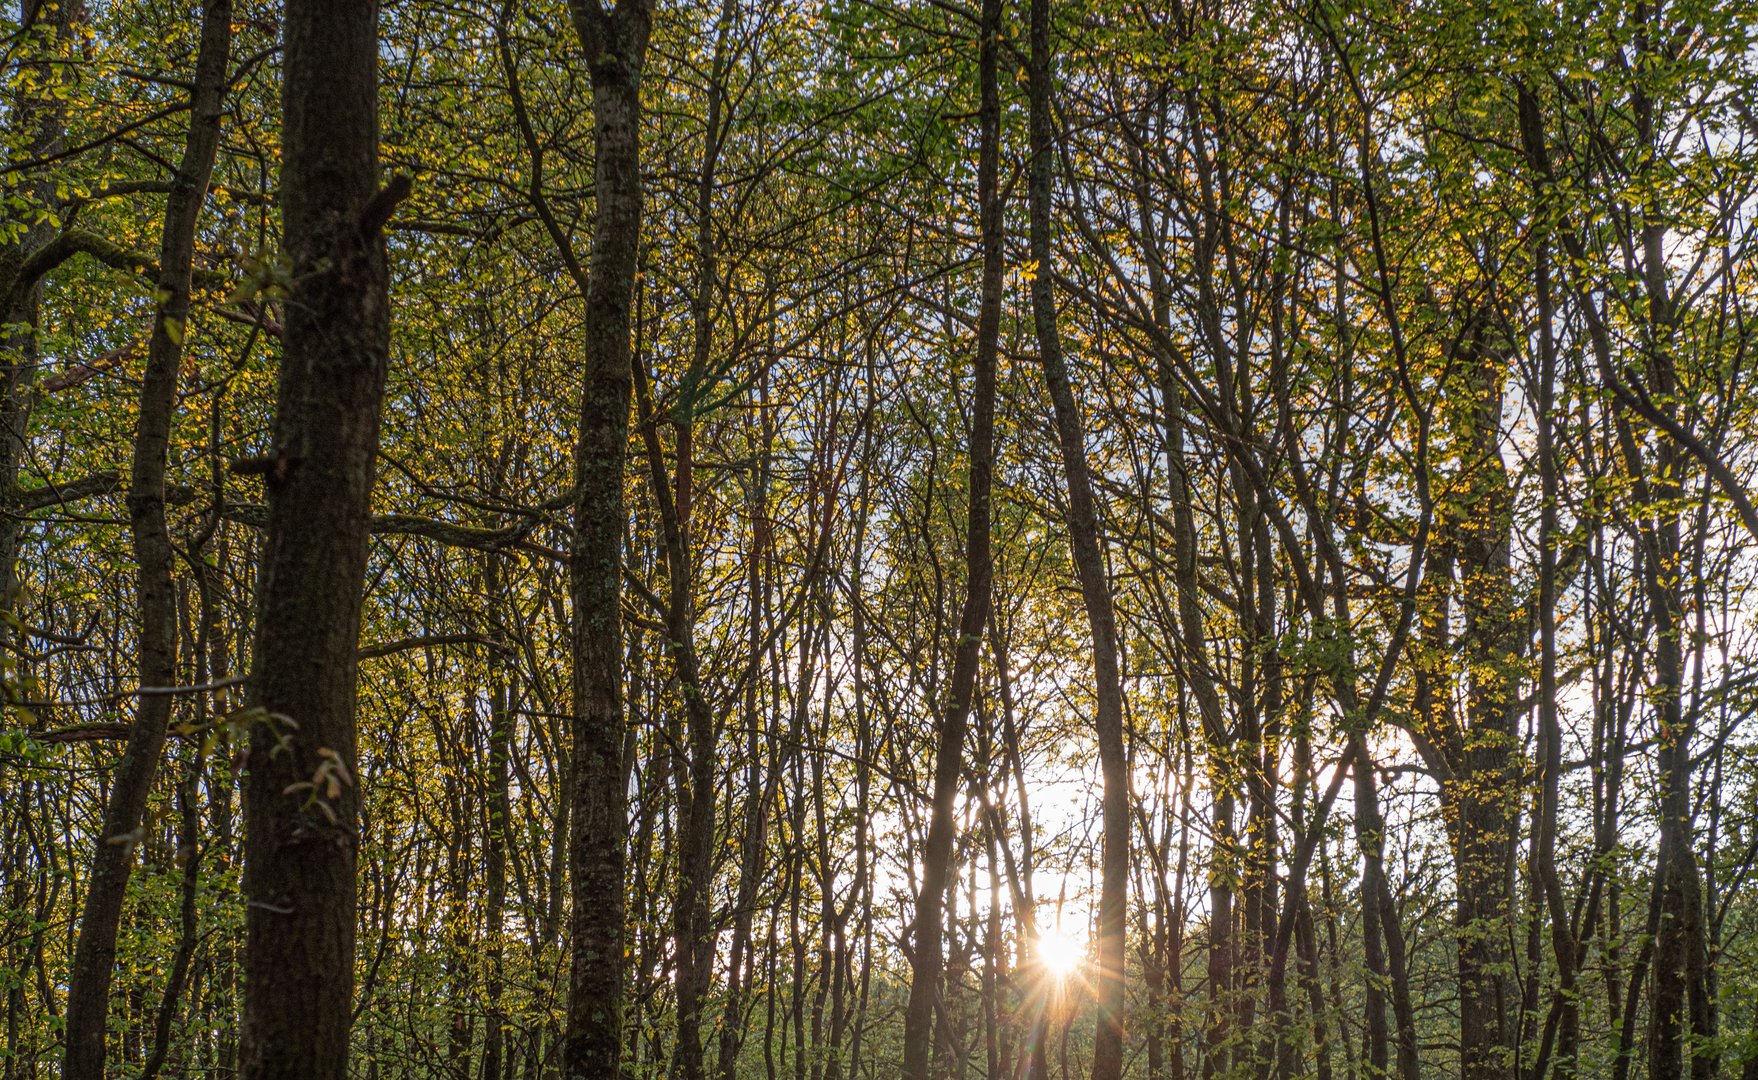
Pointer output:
x,y
1060,952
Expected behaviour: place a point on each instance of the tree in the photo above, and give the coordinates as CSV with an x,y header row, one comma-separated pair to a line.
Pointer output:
x,y
301,802
927,959
94,957
616,48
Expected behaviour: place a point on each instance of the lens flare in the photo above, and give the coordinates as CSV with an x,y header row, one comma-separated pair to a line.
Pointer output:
x,y
1060,952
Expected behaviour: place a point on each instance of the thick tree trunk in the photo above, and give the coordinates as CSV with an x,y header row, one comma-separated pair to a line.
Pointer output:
x,y
94,959
301,806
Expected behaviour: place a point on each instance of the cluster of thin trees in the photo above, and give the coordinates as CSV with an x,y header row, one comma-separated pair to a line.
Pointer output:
x,y
722,539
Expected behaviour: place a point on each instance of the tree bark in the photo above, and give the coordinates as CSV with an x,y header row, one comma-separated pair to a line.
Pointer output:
x,y
1480,802
94,959
1089,560
501,725
38,121
301,805
615,42
926,960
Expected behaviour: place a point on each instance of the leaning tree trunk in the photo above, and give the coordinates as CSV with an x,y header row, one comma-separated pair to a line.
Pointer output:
x,y
94,955
616,47
927,958
1089,561
301,807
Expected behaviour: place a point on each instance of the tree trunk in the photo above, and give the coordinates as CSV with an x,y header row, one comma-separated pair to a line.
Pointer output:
x,y
500,816
37,121
1368,837
761,778
1481,802
301,806
94,959
616,48
926,958
1089,560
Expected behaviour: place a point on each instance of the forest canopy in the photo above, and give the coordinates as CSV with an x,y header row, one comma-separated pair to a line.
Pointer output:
x,y
828,539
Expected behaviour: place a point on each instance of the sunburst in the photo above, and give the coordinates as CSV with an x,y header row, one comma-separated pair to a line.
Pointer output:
x,y
1060,952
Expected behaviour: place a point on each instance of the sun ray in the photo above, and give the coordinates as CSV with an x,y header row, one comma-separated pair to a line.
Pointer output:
x,y
1061,952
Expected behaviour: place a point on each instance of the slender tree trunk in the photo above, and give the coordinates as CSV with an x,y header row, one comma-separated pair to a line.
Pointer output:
x,y
1681,1013
94,958
1175,942
1035,1060
1750,1070
1306,942
1197,672
865,748
1678,1009
459,919
35,120
501,722
761,777
1089,560
190,854
693,913
926,958
796,871
1550,737
222,1004
1368,831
